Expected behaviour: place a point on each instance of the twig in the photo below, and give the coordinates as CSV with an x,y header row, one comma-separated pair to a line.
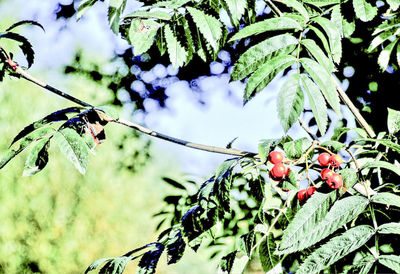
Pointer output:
x,y
220,150
353,109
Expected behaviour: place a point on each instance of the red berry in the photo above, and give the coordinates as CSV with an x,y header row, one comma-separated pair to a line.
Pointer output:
x,y
285,189
323,159
326,173
275,157
335,181
278,171
310,191
335,160
301,195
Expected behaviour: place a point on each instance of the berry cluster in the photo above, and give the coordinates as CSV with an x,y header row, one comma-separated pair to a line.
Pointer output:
x,y
327,160
279,171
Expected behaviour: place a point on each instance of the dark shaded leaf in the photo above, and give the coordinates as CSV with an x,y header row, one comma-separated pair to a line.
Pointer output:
x,y
37,158
25,22
173,183
148,263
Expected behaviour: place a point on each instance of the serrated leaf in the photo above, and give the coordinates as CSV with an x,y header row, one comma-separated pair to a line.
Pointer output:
x,y
389,228
317,103
323,39
142,33
306,219
272,24
385,142
297,6
116,265
365,11
96,264
384,56
177,53
337,248
25,142
323,79
265,146
237,9
318,54
223,184
290,102
73,147
335,146
175,246
25,46
266,253
341,212
156,14
258,54
382,164
37,158
115,9
393,121
348,28
390,261
382,37
209,26
149,261
265,74
227,262
294,149
334,37
386,198
246,243
349,176
337,19
60,115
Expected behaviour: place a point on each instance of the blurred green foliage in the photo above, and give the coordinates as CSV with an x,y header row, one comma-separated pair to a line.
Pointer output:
x,y
59,221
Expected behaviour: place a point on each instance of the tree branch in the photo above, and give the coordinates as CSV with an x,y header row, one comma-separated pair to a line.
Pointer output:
x,y
213,149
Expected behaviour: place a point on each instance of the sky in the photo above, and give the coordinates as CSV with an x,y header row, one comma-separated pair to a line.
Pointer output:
x,y
216,123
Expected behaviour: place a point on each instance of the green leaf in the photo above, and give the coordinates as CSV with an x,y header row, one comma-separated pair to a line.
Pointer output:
x,y
335,146
393,121
290,102
297,6
116,265
341,213
209,26
177,53
323,39
382,37
115,10
246,243
258,54
37,158
266,252
237,8
227,262
384,56
322,3
334,37
272,24
318,54
294,149
386,198
265,146
317,102
349,176
385,142
305,220
365,11
265,74
390,261
155,14
337,248
382,164
141,34
389,228
73,147
323,79
394,4
96,264
337,19
25,142
84,5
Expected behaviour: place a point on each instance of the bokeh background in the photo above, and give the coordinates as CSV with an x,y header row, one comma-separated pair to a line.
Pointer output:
x,y
60,221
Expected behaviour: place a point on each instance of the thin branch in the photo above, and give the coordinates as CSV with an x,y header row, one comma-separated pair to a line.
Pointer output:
x,y
220,150
353,109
